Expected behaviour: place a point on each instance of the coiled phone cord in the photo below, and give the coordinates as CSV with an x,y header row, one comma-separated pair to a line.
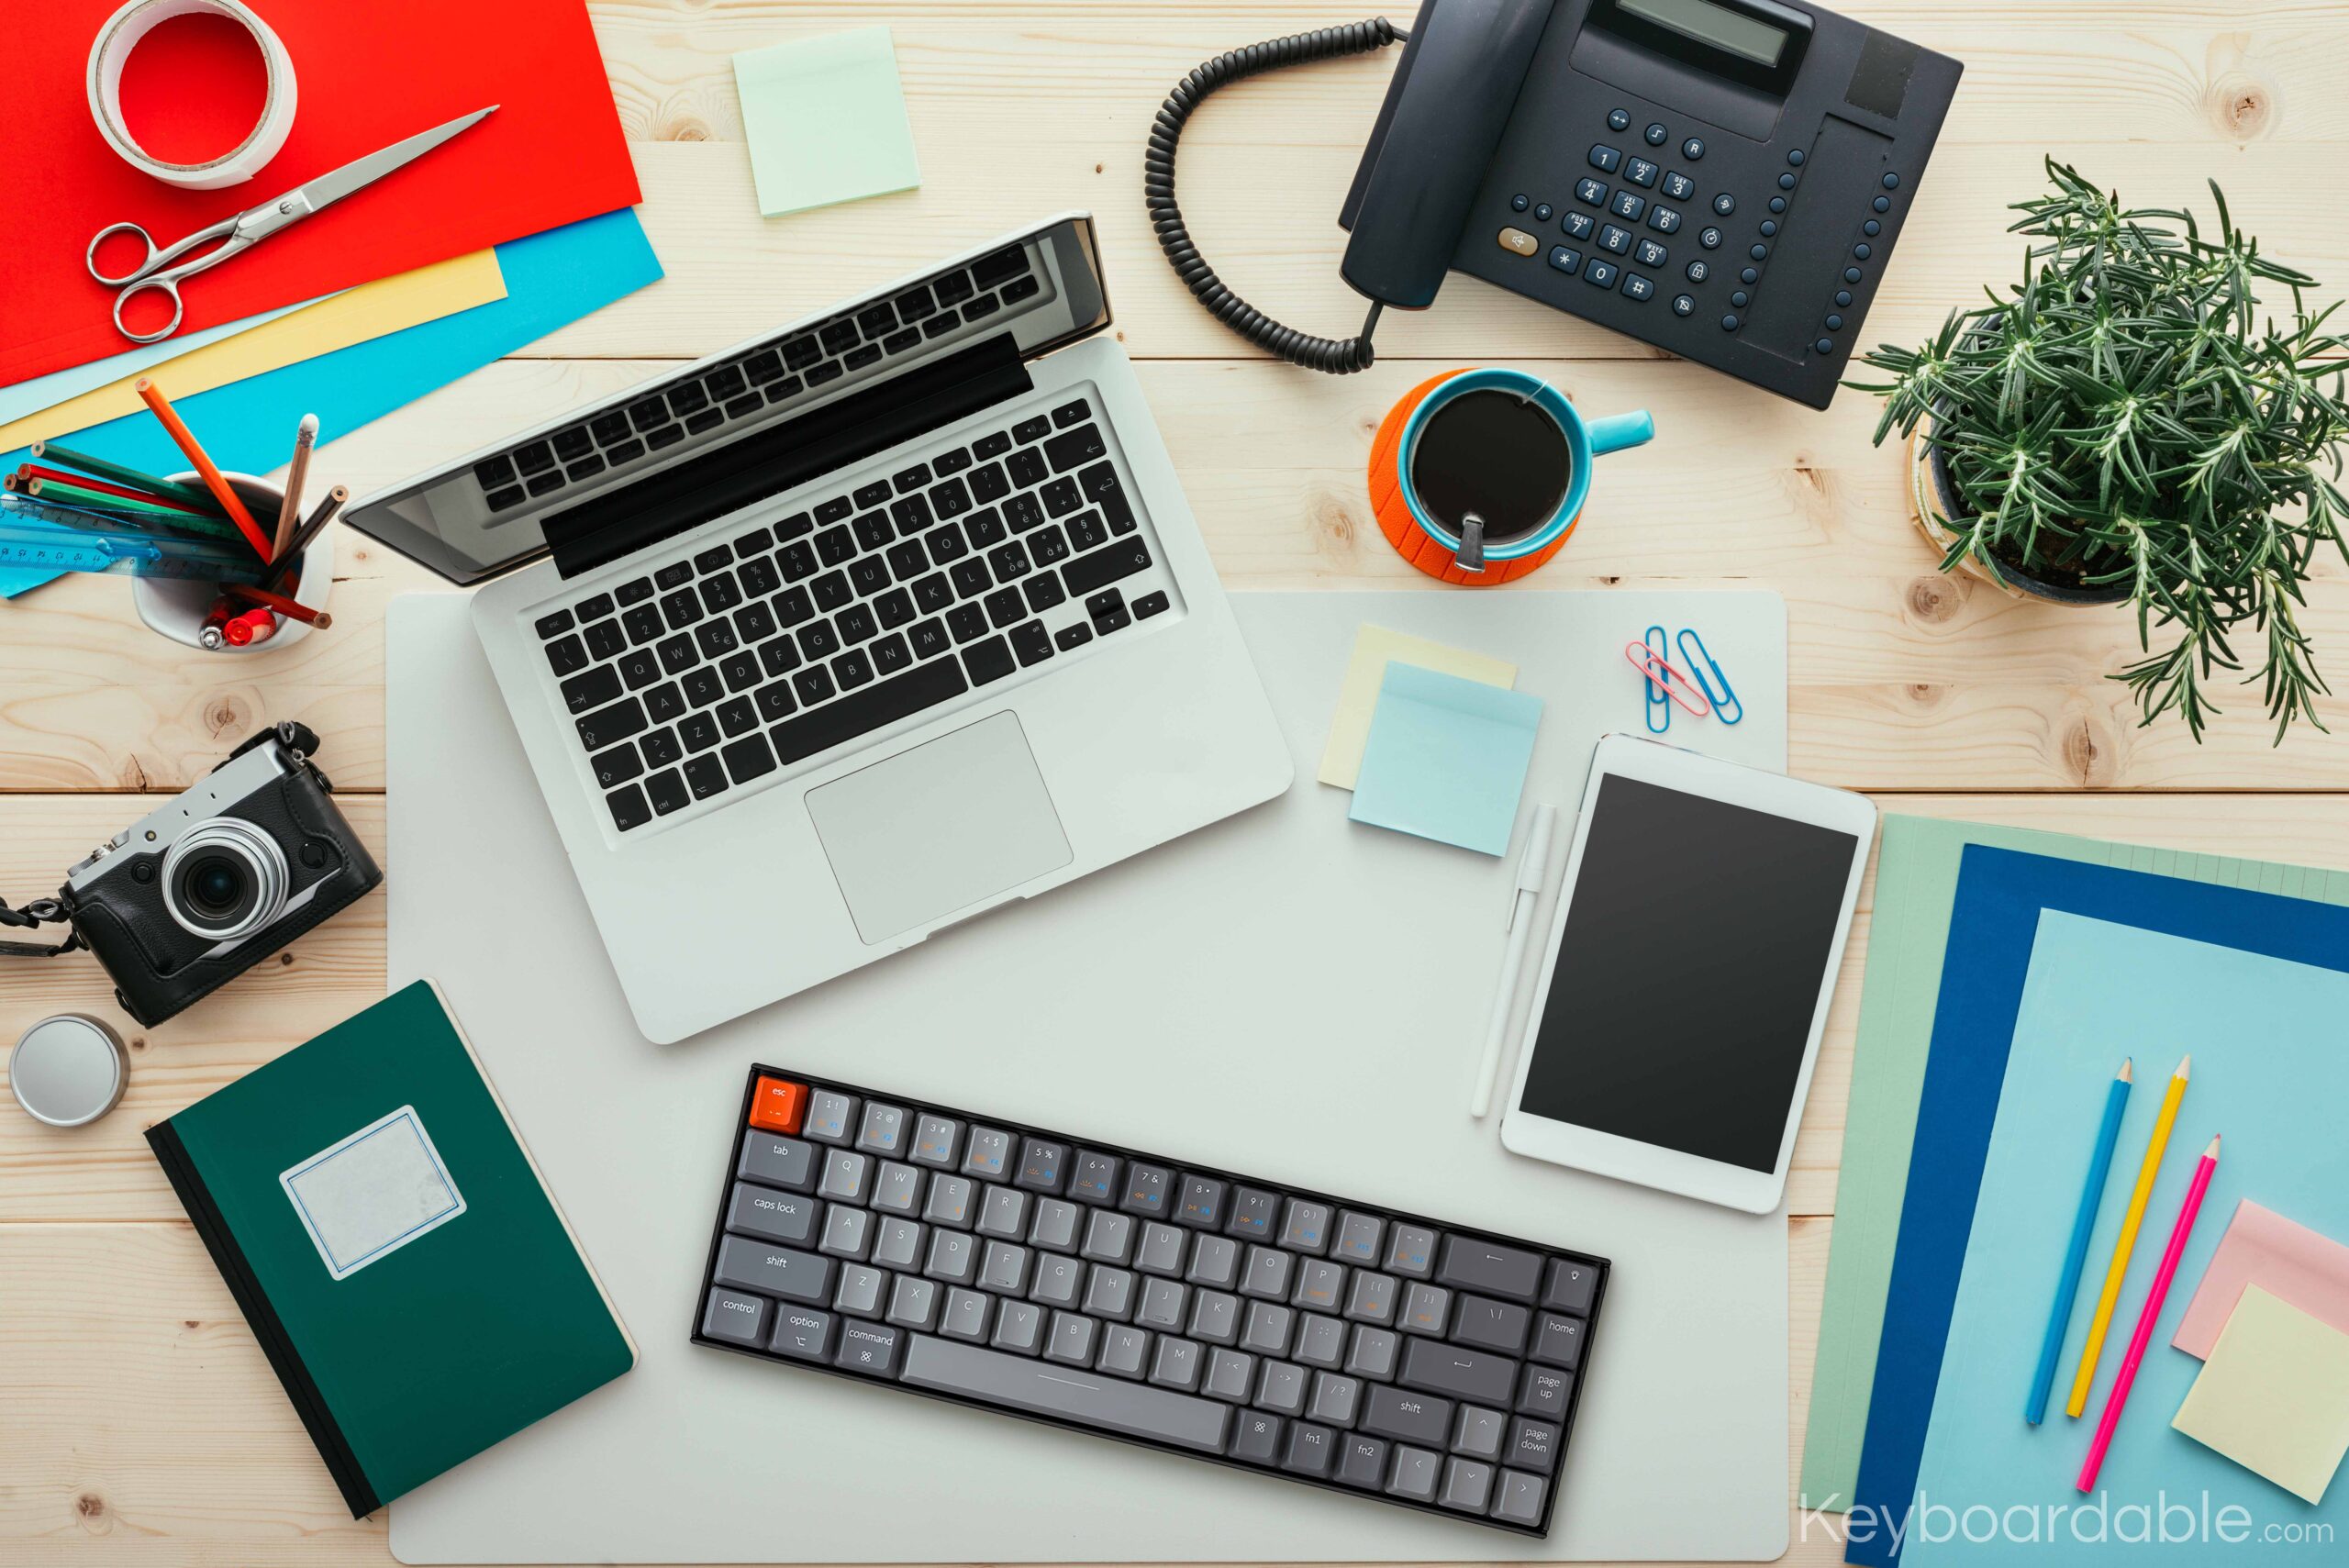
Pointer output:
x,y
1338,356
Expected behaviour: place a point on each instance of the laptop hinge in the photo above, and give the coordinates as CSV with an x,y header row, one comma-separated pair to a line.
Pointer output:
x,y
767,463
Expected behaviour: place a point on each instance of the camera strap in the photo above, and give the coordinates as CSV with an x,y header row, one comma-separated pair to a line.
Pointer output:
x,y
39,912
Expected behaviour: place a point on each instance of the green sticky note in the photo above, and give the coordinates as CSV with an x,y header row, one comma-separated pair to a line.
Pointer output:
x,y
1916,884
1446,758
826,120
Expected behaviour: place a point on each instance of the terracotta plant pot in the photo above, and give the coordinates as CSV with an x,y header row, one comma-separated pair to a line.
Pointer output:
x,y
1933,496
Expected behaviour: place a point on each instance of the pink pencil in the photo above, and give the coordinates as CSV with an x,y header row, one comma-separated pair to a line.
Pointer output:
x,y
2146,1318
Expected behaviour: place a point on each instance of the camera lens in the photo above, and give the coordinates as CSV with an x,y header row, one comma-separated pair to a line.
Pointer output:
x,y
224,878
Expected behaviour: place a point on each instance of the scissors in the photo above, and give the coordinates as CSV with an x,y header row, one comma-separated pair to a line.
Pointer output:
x,y
249,227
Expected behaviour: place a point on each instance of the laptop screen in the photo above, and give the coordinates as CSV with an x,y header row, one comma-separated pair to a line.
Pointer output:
x,y
487,513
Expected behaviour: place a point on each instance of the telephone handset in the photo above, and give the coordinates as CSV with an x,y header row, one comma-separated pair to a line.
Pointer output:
x,y
1724,179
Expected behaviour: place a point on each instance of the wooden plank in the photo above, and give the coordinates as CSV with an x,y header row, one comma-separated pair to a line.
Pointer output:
x,y
105,1172
1902,679
1267,221
152,1430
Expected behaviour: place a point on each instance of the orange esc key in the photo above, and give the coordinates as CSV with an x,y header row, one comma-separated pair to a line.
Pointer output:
x,y
778,1105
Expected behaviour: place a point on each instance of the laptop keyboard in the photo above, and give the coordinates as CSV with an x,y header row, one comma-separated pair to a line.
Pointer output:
x,y
894,1240
737,390
746,654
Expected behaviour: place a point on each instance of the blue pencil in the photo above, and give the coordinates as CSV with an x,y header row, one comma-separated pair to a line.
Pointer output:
x,y
2059,1316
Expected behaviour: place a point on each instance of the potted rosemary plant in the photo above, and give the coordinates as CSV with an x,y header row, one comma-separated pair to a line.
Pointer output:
x,y
2126,427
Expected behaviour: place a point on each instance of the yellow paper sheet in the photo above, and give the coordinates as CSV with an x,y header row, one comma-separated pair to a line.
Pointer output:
x,y
2274,1396
1358,696
355,316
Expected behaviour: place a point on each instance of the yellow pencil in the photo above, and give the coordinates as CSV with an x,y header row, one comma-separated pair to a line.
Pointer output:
x,y
2128,1222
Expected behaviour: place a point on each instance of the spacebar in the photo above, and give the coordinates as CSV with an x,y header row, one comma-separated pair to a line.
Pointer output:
x,y
1071,1394
858,713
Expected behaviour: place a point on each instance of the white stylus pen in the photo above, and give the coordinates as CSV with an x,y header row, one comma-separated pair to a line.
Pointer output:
x,y
1530,873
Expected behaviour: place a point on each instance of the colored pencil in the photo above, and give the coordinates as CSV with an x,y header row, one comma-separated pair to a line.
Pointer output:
x,y
2147,1171
67,494
105,468
89,481
149,516
297,468
311,527
230,501
284,605
2149,1316
2075,1251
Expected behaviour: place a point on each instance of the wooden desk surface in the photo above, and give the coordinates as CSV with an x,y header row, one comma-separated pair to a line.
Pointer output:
x,y
139,1422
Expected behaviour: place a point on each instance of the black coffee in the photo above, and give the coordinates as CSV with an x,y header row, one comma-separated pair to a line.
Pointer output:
x,y
1496,454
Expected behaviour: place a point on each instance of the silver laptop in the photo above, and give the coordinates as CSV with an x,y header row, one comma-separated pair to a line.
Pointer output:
x,y
854,631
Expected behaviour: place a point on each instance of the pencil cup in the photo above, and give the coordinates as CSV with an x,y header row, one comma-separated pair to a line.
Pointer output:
x,y
177,607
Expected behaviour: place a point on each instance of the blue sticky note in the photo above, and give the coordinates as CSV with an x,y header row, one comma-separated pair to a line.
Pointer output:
x,y
552,280
1446,758
2002,895
2269,1075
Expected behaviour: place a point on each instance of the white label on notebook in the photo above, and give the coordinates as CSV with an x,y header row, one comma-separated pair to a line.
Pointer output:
x,y
372,1193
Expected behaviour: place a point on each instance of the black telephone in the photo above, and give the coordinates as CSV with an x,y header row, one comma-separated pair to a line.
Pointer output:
x,y
1724,179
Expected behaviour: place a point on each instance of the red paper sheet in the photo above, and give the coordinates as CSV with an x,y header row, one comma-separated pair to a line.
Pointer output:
x,y
371,72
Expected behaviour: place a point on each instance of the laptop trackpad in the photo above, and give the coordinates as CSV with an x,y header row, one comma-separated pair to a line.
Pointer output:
x,y
947,825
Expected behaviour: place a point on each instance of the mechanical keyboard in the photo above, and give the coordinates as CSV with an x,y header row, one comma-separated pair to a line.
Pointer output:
x,y
996,1263
976,558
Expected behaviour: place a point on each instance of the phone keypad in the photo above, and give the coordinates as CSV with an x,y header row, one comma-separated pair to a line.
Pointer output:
x,y
1601,225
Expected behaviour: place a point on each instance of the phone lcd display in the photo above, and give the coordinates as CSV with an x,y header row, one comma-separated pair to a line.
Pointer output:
x,y
1747,37
1694,954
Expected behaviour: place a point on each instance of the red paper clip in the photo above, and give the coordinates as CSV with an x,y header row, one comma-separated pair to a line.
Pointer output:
x,y
1667,677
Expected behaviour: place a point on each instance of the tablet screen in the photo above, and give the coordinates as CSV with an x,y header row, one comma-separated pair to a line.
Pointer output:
x,y
1695,950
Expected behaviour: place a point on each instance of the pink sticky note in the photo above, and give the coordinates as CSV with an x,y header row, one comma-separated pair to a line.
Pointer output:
x,y
2288,1261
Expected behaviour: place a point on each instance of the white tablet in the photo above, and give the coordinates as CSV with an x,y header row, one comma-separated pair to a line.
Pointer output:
x,y
1696,941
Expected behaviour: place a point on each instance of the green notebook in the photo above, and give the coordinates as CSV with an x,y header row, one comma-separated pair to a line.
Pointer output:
x,y
394,1246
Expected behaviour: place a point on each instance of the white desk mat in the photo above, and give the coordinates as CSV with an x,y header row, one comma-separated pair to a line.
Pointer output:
x,y
1287,993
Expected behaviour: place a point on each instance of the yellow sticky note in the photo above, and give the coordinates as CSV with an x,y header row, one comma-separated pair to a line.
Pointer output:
x,y
355,316
1366,672
2274,1395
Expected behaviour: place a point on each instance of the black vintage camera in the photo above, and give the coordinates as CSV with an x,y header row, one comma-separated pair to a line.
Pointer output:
x,y
250,857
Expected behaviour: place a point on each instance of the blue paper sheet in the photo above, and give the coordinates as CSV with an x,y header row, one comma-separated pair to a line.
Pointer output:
x,y
2269,1075
1993,924
1446,758
552,279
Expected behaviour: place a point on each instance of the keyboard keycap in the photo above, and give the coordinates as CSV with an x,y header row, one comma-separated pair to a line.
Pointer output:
x,y
628,808
1495,1325
1471,1264
871,1349
608,724
1122,559
1568,1288
748,759
990,659
565,655
1133,1409
788,1217
1031,642
737,1319
1398,1413
782,1271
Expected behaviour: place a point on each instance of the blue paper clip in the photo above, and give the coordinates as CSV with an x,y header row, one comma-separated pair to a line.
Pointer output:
x,y
1693,653
1659,712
